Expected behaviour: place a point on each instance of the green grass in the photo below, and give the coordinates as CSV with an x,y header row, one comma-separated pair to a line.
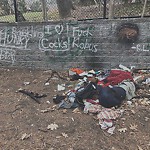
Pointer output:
x,y
31,17
9,18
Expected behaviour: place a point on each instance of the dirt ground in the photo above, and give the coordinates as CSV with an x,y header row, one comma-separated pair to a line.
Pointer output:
x,y
24,123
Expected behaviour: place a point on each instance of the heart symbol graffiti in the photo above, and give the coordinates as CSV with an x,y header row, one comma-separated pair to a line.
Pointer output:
x,y
59,29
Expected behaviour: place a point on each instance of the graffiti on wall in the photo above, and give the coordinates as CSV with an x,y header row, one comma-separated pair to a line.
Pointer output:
x,y
7,55
65,38
141,47
52,38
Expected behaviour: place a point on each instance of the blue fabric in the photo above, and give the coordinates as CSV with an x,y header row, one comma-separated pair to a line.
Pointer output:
x,y
110,97
66,105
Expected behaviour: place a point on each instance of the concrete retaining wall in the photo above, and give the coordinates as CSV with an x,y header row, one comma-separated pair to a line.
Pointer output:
x,y
61,45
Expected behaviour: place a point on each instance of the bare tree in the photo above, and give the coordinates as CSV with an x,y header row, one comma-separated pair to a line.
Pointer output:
x,y
144,7
64,8
111,9
44,10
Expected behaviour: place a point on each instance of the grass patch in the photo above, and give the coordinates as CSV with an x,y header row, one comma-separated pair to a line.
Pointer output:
x,y
8,18
31,17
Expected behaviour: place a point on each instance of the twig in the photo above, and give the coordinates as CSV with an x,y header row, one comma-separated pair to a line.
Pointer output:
x,y
52,74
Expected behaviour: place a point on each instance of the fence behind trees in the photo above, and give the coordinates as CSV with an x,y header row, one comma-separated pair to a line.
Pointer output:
x,y
52,10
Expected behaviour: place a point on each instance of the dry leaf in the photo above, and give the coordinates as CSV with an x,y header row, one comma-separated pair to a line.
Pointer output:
x,y
64,111
133,127
133,112
76,110
145,102
146,118
72,119
25,136
139,148
45,111
65,135
58,137
122,129
52,126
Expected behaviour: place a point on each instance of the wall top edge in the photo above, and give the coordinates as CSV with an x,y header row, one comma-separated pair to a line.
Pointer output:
x,y
89,21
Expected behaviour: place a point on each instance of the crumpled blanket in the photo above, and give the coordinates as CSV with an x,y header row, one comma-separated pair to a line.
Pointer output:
x,y
106,116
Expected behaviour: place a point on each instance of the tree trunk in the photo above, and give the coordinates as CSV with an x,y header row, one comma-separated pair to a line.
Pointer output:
x,y
64,8
44,10
144,8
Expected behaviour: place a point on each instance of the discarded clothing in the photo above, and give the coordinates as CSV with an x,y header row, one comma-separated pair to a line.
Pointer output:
x,y
86,93
67,101
110,97
106,116
129,87
115,77
58,98
67,105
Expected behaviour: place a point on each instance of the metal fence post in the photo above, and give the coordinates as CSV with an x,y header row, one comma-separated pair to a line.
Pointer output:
x,y
104,12
16,12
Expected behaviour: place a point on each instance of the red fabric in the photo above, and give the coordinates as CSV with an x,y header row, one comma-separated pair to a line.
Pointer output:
x,y
115,77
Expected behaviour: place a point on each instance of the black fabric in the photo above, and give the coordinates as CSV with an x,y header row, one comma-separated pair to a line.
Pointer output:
x,y
58,98
75,77
87,92
108,97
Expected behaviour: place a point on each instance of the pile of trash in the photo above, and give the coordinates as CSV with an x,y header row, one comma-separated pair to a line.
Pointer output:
x,y
103,92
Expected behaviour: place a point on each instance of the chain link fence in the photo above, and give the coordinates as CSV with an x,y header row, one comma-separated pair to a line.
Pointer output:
x,y
53,10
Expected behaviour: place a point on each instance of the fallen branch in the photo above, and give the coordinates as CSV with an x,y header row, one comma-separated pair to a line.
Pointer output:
x,y
34,96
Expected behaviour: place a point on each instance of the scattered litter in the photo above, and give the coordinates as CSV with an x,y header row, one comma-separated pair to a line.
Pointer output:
x,y
52,126
61,87
106,115
111,130
26,83
47,83
48,102
147,81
